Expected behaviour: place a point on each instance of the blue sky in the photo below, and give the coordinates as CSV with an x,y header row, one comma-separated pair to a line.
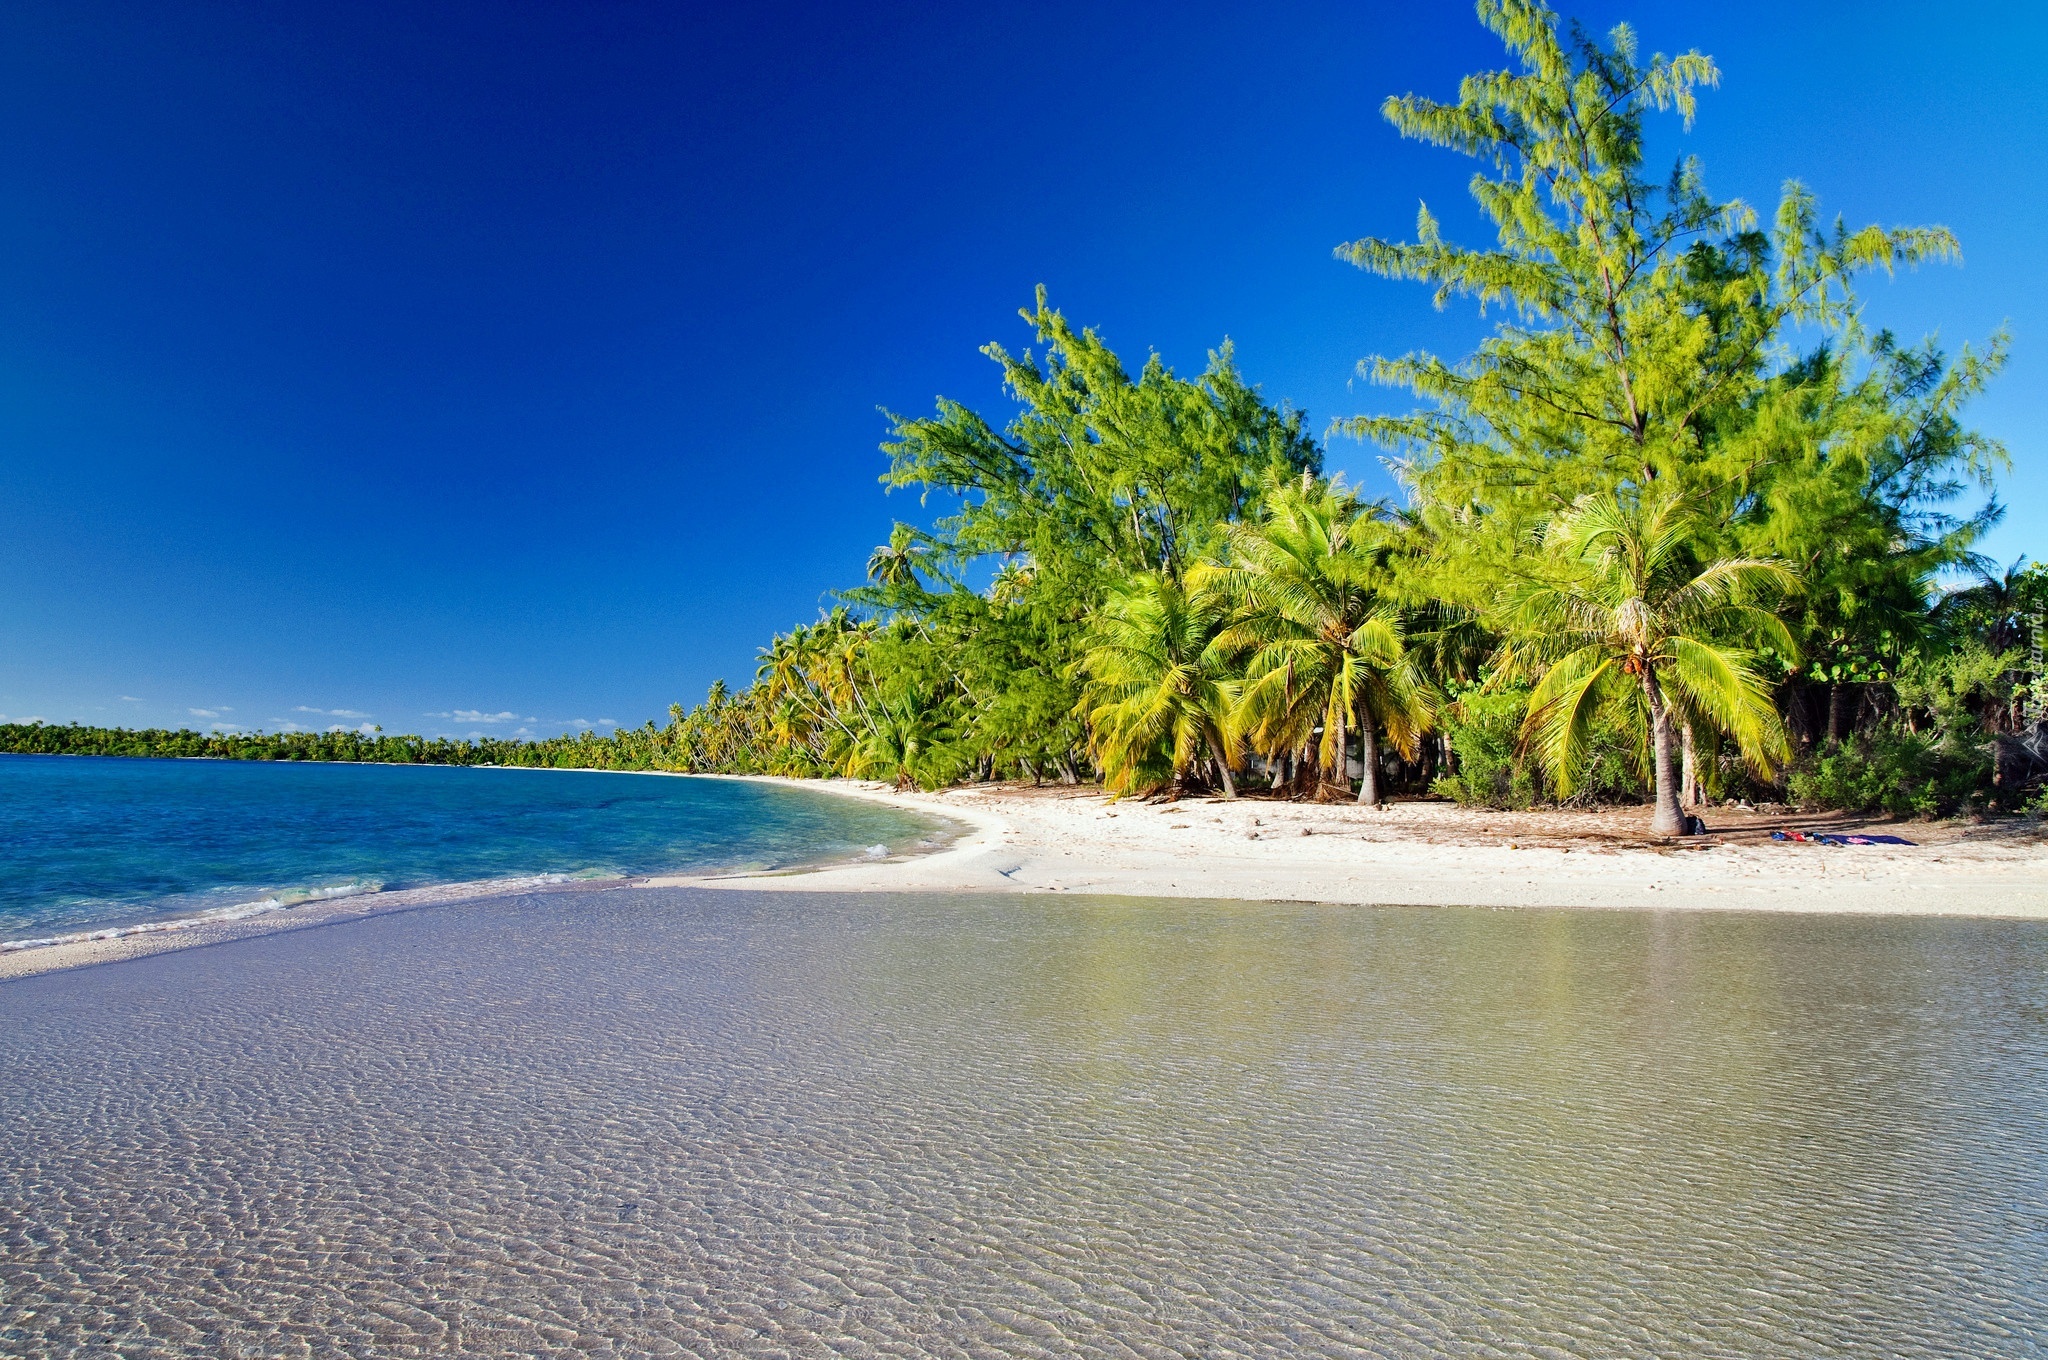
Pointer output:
x,y
495,368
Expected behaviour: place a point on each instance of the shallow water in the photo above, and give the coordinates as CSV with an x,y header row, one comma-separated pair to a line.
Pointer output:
x,y
655,1122
93,843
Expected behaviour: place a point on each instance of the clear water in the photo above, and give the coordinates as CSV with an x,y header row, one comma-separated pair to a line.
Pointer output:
x,y
89,843
642,1122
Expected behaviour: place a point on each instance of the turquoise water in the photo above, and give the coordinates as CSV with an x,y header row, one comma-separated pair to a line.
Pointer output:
x,y
90,844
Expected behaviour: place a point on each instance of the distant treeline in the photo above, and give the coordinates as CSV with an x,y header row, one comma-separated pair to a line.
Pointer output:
x,y
641,748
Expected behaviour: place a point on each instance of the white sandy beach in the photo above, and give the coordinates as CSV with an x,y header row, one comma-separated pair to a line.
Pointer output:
x,y
1064,839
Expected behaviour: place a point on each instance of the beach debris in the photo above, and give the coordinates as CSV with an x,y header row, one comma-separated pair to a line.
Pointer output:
x,y
878,852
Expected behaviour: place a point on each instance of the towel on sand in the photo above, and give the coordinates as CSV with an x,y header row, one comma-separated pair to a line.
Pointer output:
x,y
1823,838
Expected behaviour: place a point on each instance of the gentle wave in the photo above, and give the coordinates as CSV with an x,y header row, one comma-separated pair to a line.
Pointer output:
x,y
101,848
280,900
288,898
285,899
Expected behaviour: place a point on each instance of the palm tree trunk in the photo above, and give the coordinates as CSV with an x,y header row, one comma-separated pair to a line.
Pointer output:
x,y
1343,770
1369,757
1222,765
1689,782
1665,818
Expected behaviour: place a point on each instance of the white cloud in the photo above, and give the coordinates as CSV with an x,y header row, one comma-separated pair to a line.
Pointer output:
x,y
22,721
332,712
130,699
224,727
473,715
203,712
607,722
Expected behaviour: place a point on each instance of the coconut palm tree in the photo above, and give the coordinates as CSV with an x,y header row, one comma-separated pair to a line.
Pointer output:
x,y
1308,587
783,663
1157,694
897,562
904,739
1624,618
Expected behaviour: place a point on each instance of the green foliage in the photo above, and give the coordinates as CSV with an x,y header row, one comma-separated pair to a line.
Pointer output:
x,y
1644,357
1895,770
1098,479
640,748
1485,733
1643,316
1495,768
1627,625
1099,474
1158,695
1309,587
1953,689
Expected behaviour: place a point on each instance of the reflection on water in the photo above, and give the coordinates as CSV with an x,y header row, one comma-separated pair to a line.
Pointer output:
x,y
649,1122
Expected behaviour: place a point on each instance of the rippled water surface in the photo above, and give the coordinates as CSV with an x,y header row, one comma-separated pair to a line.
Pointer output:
x,y
90,844
641,1122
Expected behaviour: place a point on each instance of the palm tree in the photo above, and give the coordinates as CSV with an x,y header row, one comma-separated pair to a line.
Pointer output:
x,y
904,739
1155,685
1999,603
783,662
1625,619
897,562
1012,579
1309,591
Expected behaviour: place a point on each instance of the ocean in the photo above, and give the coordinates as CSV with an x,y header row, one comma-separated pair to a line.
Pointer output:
x,y
93,844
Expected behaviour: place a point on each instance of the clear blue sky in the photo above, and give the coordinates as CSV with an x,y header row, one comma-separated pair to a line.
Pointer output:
x,y
423,364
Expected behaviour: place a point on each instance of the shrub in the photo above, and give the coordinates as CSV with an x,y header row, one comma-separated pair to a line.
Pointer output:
x,y
1485,728
1894,770
1485,732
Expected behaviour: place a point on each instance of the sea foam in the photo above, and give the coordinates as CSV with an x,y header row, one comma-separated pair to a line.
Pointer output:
x,y
283,899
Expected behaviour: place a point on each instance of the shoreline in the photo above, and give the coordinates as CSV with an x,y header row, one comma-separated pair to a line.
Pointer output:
x,y
116,944
1057,838
1021,839
278,911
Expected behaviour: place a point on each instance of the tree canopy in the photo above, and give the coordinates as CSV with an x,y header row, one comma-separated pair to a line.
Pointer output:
x,y
1680,524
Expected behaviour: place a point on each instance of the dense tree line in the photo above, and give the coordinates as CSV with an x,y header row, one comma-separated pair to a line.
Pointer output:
x,y
1676,529
642,748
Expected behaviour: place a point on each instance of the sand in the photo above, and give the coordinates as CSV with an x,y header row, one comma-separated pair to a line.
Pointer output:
x,y
1429,853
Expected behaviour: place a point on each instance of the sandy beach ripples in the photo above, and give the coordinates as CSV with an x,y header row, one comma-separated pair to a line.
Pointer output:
x,y
647,1122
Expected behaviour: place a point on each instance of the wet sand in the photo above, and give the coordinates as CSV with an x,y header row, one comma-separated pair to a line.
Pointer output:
x,y
672,1122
